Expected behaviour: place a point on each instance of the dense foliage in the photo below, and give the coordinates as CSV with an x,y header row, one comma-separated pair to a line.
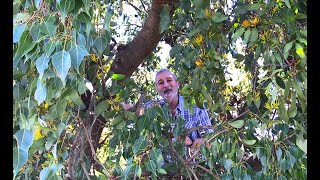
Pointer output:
x,y
67,120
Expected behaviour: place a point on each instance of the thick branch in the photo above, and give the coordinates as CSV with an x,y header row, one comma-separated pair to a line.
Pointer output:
x,y
134,53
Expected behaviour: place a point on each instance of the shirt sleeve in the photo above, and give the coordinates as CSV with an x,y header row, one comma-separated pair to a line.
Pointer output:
x,y
204,121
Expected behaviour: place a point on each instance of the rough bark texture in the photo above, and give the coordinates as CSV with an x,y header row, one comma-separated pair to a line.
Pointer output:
x,y
134,53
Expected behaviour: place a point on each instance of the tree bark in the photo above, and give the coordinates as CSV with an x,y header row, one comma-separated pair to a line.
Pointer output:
x,y
130,56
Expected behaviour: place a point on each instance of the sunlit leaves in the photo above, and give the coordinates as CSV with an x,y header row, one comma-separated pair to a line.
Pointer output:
x,y
299,50
227,163
41,92
20,153
238,33
65,6
118,76
219,17
42,64
62,63
77,53
237,123
48,28
17,32
249,142
25,44
302,144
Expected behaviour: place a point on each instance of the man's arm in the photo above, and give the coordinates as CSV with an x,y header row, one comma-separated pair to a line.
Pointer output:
x,y
204,120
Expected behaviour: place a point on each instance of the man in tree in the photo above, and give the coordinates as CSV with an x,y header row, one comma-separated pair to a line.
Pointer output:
x,y
167,87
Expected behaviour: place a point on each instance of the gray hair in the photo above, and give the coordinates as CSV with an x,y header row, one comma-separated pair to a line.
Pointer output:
x,y
165,70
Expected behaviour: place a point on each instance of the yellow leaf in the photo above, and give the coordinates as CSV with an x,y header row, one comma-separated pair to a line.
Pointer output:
x,y
94,57
37,134
246,23
199,39
199,63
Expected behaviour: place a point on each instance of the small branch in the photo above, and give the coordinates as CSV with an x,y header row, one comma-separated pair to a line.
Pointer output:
x,y
85,171
208,171
181,159
91,146
214,136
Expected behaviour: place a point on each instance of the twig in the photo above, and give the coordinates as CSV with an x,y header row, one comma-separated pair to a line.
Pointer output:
x,y
85,171
91,147
214,136
181,159
208,171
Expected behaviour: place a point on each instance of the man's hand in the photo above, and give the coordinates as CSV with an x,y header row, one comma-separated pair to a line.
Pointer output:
x,y
126,106
187,141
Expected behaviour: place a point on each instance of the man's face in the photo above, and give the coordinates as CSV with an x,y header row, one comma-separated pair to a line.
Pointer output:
x,y
167,86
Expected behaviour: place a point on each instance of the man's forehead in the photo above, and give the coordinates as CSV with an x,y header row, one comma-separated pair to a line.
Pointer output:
x,y
164,75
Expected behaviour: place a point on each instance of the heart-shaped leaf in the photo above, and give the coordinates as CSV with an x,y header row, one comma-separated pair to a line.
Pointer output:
x,y
62,62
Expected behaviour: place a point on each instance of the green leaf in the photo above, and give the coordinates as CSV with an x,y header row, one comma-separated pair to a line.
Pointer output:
x,y
219,17
227,163
20,17
302,144
286,50
48,172
246,36
81,41
65,6
118,76
77,53
17,32
86,4
280,82
101,107
254,36
297,88
283,111
42,64
25,44
164,19
299,51
101,44
49,47
107,19
36,32
84,17
48,28
293,108
117,120
151,166
62,63
279,153
249,142
140,145
237,123
254,6
138,171
121,125
40,93
238,33
162,171
61,107
37,3
156,155
20,158
287,3
20,154
130,115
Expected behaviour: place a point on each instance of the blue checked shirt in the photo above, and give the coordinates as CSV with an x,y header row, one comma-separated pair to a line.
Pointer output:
x,y
198,118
